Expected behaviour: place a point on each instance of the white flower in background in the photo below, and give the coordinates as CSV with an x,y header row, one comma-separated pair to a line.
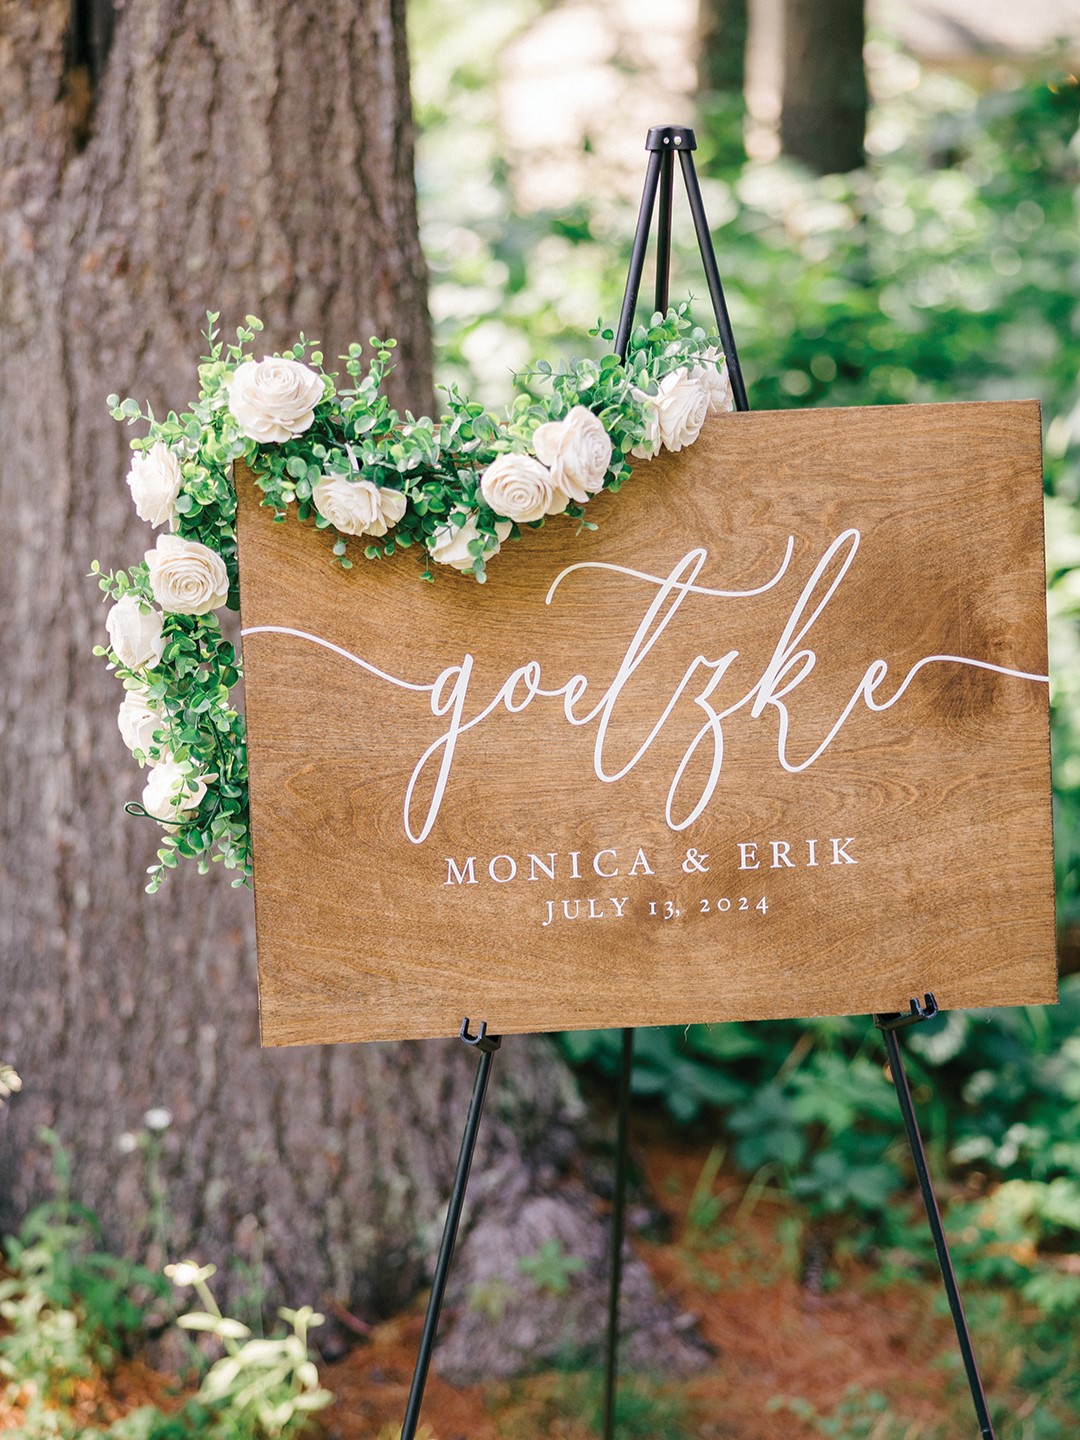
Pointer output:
x,y
135,633
450,544
717,381
577,450
157,1119
273,400
682,405
188,1272
522,489
138,720
187,578
358,507
154,481
171,793
648,447
10,1083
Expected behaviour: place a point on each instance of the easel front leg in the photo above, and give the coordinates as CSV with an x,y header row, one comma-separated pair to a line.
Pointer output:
x,y
487,1045
890,1025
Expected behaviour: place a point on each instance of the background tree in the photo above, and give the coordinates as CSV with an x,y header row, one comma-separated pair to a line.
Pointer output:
x,y
722,29
823,108
170,157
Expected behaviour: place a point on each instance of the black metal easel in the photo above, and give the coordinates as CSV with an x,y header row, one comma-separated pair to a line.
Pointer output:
x,y
487,1045
662,144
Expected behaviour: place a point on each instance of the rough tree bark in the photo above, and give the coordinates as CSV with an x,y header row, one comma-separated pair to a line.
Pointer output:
x,y
823,110
170,157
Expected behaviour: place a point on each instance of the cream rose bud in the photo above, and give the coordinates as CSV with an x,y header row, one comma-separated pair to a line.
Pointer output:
x,y
450,544
358,507
138,720
577,450
135,634
717,381
154,481
273,400
170,793
681,407
187,578
648,447
520,488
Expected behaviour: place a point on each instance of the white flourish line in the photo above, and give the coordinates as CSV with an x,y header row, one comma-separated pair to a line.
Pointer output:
x,y
337,649
684,586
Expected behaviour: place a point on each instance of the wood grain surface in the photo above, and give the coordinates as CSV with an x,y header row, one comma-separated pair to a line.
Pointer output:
x,y
558,884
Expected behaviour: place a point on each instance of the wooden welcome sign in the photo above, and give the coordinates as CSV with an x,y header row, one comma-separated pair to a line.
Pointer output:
x,y
772,741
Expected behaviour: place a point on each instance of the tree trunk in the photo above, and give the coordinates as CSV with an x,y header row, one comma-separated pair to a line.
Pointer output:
x,y
823,112
177,156
722,27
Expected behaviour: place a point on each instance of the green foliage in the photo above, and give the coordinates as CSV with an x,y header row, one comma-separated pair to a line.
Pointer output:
x,y
551,1268
71,1310
643,1408
861,1415
705,1207
807,1103
811,1100
261,1388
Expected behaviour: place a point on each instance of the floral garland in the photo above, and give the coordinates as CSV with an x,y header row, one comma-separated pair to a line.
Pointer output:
x,y
341,458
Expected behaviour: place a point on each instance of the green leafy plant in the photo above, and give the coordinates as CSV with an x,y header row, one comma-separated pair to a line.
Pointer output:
x,y
861,1415
551,1268
644,1408
265,1388
70,1309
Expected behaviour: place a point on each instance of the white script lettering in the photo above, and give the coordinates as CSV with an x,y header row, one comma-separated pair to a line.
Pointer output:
x,y
792,660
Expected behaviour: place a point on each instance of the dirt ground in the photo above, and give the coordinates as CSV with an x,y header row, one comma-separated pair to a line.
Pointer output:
x,y
773,1338
787,1350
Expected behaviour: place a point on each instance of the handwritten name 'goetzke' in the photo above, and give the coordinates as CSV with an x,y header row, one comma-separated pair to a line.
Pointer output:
x,y
792,660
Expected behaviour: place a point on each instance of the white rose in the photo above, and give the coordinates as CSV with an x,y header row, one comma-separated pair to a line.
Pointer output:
x,y
171,793
154,481
273,400
358,507
520,488
138,720
648,447
577,449
187,578
681,407
716,381
135,634
450,544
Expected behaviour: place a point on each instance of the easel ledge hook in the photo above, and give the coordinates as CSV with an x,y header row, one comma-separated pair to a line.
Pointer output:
x,y
482,1040
924,1010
